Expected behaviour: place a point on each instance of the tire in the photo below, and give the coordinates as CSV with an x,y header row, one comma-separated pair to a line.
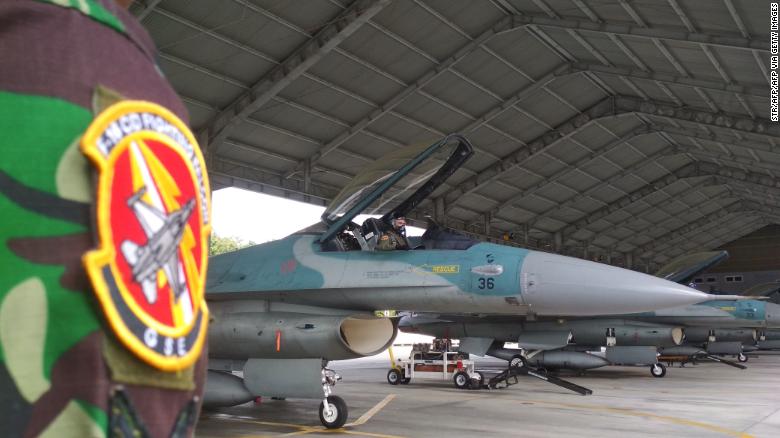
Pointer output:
x,y
394,377
461,380
517,361
742,357
338,415
658,370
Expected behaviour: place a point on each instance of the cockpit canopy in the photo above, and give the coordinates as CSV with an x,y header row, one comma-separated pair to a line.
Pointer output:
x,y
396,183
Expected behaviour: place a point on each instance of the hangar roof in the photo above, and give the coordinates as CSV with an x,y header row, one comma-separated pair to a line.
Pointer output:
x,y
632,129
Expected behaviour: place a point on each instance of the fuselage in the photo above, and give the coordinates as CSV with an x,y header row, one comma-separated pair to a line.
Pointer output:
x,y
485,278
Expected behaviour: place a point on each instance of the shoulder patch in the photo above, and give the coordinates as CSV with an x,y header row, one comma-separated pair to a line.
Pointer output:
x,y
385,237
153,221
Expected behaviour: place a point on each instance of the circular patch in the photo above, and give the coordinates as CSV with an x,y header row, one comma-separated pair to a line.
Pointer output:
x,y
153,223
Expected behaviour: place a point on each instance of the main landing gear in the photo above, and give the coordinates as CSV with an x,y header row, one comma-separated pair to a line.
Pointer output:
x,y
333,409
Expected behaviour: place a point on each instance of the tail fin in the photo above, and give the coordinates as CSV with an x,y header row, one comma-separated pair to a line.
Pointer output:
x,y
682,269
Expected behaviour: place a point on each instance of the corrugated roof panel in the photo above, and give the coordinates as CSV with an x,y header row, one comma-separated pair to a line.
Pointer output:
x,y
432,113
240,23
715,18
462,94
309,18
482,67
470,16
340,70
295,120
390,55
312,97
517,47
200,86
416,25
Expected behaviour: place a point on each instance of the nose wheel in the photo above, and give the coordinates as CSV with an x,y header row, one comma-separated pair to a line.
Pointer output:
x,y
742,357
333,412
333,409
658,370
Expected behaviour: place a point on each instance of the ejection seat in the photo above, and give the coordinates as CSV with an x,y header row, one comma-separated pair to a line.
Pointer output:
x,y
372,228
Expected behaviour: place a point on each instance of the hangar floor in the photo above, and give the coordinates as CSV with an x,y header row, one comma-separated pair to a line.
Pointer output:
x,y
706,400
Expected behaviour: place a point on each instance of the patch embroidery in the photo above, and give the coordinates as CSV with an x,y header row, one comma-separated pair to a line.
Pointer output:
x,y
153,223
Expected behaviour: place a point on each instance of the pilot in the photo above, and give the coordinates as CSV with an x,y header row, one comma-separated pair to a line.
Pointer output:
x,y
395,237
64,371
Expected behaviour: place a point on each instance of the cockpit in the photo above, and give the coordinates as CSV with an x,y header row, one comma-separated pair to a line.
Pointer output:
x,y
395,184
365,237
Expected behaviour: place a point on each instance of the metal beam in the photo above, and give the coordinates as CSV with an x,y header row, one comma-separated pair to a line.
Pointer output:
x,y
735,207
148,8
640,131
426,78
672,247
230,173
608,107
704,183
657,242
717,119
721,174
536,146
687,171
325,40
669,33
759,91
745,228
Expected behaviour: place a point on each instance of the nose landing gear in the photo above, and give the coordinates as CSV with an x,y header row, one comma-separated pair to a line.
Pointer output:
x,y
333,409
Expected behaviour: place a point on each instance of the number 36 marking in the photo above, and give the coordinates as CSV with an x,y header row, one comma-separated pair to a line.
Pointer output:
x,y
485,283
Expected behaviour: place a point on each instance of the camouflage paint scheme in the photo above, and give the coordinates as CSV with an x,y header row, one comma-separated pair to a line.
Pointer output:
x,y
425,279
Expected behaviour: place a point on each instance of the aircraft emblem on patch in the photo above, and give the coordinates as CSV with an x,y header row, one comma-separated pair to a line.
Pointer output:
x,y
153,222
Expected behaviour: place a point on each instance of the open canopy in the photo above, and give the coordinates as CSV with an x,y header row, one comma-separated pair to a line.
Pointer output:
x,y
397,182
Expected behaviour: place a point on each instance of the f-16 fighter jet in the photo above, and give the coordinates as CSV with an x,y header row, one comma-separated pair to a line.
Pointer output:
x,y
720,326
283,308
163,232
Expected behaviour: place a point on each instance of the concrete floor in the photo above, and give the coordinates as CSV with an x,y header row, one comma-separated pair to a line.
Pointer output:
x,y
706,400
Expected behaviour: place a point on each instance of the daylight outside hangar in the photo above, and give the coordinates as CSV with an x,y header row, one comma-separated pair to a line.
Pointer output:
x,y
627,131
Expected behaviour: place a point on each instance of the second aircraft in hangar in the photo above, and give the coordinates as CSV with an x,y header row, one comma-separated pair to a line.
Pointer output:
x,y
283,309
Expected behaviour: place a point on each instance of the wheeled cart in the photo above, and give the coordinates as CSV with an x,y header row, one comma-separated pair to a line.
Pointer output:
x,y
424,363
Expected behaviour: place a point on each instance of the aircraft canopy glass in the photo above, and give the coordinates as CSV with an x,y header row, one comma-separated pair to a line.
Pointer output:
x,y
399,181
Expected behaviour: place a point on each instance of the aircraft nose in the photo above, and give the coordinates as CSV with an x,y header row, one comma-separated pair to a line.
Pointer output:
x,y
555,284
772,315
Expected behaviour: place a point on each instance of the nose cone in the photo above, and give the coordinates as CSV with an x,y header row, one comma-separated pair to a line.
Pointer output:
x,y
772,315
558,285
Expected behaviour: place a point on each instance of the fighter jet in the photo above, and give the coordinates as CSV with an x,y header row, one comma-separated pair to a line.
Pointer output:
x,y
283,308
723,326
163,232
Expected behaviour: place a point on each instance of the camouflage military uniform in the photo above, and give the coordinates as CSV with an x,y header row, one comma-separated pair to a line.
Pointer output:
x,y
391,240
62,371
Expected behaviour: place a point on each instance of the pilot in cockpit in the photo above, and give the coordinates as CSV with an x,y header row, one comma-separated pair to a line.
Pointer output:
x,y
394,237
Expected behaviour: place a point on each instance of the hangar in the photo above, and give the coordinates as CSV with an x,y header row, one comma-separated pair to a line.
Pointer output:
x,y
628,131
